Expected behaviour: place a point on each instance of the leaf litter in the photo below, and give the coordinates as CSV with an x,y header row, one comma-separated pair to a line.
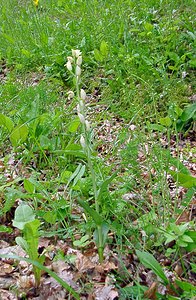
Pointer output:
x,y
83,272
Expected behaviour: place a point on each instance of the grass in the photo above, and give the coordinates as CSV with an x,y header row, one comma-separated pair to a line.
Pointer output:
x,y
138,73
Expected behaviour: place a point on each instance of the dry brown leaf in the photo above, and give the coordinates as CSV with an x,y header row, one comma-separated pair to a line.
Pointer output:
x,y
3,244
61,269
89,297
26,282
5,269
13,250
188,214
105,293
106,267
178,269
6,295
59,266
83,263
151,292
184,217
44,242
7,282
51,290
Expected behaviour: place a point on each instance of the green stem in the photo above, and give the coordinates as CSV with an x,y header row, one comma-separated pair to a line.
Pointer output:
x,y
100,244
87,149
90,165
178,161
88,152
77,88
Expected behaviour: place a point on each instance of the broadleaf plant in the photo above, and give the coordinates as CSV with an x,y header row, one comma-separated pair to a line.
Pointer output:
x,y
25,221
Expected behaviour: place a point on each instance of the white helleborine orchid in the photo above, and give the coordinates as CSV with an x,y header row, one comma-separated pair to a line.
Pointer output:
x,y
82,142
78,71
82,94
76,53
79,60
82,118
81,105
78,108
88,127
70,58
69,65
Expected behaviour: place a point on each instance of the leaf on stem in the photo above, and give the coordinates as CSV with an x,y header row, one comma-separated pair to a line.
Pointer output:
x,y
23,215
150,262
94,215
105,184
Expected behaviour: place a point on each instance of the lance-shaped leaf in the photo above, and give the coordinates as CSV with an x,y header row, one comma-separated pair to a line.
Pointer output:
x,y
19,135
94,215
105,184
150,262
189,112
184,180
104,228
7,122
32,236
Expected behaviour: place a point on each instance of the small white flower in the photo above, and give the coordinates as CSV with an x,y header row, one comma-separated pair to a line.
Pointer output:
x,y
81,117
70,58
69,65
70,95
132,127
81,105
82,142
82,94
78,108
79,60
78,71
76,53
184,74
88,127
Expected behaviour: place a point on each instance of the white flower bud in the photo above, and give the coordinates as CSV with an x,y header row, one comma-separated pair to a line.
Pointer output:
x,y
132,127
81,104
78,108
76,53
70,95
78,71
69,65
82,94
87,124
73,52
82,142
79,60
82,118
70,58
